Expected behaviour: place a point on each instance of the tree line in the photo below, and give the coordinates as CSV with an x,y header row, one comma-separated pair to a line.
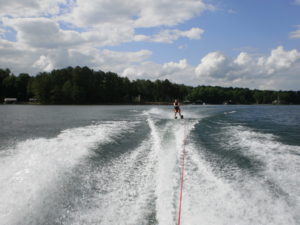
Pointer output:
x,y
82,85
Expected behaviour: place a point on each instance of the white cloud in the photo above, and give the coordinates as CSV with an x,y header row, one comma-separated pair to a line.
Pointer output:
x,y
42,37
109,35
139,13
277,69
245,70
105,23
180,72
24,58
168,12
46,33
16,57
243,59
2,31
146,70
214,64
114,22
169,36
88,13
194,33
44,43
122,59
297,2
63,57
182,64
42,33
25,8
44,64
295,34
106,60
280,60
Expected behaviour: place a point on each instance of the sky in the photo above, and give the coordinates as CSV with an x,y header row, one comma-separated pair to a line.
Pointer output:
x,y
236,43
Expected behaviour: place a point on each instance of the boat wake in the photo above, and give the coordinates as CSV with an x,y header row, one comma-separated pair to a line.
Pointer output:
x,y
32,170
98,175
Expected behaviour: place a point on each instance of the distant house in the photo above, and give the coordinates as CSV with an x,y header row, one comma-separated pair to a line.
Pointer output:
x,y
229,102
10,100
277,101
137,99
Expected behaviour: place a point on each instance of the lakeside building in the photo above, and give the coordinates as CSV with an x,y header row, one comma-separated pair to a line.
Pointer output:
x,y
10,100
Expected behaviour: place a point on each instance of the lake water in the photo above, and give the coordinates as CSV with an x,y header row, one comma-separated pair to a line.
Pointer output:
x,y
115,165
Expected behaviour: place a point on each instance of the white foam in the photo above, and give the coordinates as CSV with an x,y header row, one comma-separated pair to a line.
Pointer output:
x,y
159,113
124,188
170,139
133,110
209,198
166,176
281,167
168,113
122,193
34,166
230,112
139,185
147,179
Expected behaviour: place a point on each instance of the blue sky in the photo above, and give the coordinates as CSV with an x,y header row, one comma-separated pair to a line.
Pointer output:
x,y
254,24
248,43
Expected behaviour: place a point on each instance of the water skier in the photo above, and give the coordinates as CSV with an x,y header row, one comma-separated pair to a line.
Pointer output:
x,y
177,109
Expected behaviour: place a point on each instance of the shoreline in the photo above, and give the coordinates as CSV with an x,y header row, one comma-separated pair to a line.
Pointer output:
x,y
144,103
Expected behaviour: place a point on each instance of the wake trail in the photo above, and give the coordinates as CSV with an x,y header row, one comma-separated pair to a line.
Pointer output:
x,y
234,196
213,199
169,142
281,166
123,189
33,168
139,186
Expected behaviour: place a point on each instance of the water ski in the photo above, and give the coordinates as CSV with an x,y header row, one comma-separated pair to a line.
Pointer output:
x,y
181,117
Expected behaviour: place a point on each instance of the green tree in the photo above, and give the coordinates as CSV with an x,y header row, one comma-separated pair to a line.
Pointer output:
x,y
81,85
9,85
22,84
67,92
3,75
41,87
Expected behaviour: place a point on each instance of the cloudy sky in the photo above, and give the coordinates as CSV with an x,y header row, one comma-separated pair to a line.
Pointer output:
x,y
248,43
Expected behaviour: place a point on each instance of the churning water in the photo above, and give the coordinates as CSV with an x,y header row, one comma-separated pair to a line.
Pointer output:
x,y
116,165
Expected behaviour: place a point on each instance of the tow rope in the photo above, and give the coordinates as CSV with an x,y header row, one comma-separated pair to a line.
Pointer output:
x,y
182,177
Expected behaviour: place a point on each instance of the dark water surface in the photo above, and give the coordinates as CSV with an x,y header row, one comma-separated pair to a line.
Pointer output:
x,y
121,165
